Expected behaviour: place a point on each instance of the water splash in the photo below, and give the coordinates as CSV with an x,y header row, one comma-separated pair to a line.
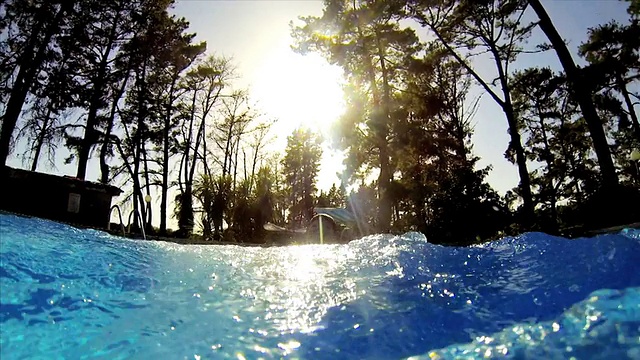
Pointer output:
x,y
72,293
605,326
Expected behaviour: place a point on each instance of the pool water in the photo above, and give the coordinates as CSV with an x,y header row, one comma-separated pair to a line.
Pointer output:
x,y
83,294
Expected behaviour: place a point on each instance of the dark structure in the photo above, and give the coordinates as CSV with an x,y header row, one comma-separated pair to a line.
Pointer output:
x,y
338,225
59,198
327,226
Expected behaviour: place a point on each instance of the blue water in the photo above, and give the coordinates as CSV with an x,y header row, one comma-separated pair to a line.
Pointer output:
x,y
74,294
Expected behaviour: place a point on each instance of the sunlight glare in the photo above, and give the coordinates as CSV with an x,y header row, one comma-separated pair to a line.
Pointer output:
x,y
303,91
299,90
308,287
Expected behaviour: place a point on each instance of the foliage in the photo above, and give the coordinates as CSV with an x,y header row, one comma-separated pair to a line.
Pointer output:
x,y
335,197
557,138
300,168
494,31
612,51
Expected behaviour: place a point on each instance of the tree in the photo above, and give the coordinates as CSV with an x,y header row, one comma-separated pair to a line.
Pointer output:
x,y
536,101
467,29
335,197
583,93
37,25
176,56
366,40
265,193
260,139
213,195
634,9
439,187
146,59
300,167
252,208
43,121
234,118
612,51
614,71
558,140
100,27
362,204
204,85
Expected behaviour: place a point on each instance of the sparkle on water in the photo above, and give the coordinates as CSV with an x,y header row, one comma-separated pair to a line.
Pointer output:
x,y
69,293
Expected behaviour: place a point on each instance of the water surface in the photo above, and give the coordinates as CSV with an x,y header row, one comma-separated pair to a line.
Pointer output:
x,y
69,293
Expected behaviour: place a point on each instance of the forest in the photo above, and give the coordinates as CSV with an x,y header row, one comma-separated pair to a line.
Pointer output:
x,y
125,82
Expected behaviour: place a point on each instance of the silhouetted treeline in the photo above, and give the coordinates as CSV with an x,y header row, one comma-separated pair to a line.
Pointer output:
x,y
409,115
126,83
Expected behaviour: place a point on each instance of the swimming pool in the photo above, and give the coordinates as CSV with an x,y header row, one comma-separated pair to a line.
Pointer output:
x,y
69,293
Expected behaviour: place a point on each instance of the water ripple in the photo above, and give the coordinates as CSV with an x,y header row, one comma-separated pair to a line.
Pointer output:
x,y
69,293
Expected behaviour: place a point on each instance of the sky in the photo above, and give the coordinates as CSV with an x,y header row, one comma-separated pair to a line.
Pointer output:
x,y
305,90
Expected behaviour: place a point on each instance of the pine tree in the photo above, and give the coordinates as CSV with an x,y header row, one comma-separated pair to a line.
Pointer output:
x,y
300,167
466,29
583,93
35,27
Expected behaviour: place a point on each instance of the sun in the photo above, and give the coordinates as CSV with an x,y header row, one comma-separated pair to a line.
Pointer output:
x,y
302,90
299,89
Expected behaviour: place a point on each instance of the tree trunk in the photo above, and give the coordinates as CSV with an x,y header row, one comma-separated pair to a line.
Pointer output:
x,y
205,164
185,218
90,136
165,172
235,165
384,179
549,159
40,141
516,142
254,163
104,167
165,184
583,94
244,164
139,138
523,172
253,169
572,165
185,221
507,108
165,156
137,193
627,99
36,155
384,207
384,204
147,205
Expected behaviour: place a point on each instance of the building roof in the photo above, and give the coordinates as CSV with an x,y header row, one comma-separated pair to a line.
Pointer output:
x,y
55,179
340,215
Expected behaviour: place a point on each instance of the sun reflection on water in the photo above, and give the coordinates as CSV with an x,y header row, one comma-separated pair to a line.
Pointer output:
x,y
309,282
